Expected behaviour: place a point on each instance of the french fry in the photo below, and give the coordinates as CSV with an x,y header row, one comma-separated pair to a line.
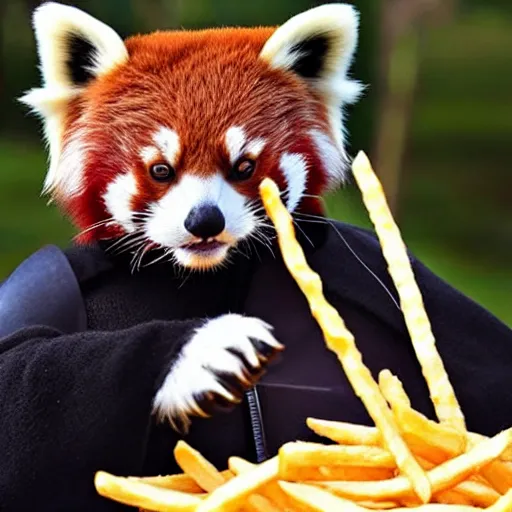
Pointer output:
x,y
378,505
259,503
499,475
340,340
506,456
391,386
433,441
442,477
317,500
458,469
504,504
437,507
452,497
479,494
393,248
301,454
335,473
138,494
182,483
345,433
197,467
271,490
228,497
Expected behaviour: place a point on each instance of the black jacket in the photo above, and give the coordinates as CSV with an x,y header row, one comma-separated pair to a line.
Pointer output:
x,y
77,376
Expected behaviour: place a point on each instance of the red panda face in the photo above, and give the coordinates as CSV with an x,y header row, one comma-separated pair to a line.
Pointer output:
x,y
163,139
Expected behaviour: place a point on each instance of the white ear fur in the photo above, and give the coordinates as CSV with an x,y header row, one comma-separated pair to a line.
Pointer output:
x,y
66,68
319,46
334,25
54,24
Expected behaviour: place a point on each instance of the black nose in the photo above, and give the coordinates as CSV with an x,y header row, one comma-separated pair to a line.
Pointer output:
x,y
205,221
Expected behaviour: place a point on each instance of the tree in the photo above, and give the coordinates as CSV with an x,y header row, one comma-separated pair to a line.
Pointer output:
x,y
401,27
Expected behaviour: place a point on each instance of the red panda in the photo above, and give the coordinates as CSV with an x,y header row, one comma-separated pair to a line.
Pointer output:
x,y
165,137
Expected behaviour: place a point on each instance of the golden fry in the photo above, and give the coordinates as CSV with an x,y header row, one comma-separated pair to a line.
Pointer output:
x,y
271,490
301,454
479,494
137,494
438,507
442,477
506,456
460,468
433,441
259,503
182,483
378,505
499,475
504,504
340,340
345,433
335,473
197,467
393,248
227,497
318,500
452,497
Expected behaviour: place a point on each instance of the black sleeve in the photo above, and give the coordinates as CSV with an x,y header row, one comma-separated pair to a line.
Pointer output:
x,y
477,352
74,404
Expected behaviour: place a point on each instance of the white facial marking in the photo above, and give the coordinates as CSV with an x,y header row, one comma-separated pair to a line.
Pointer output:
x,y
294,168
333,159
255,147
166,224
168,142
149,154
118,199
194,374
235,142
68,174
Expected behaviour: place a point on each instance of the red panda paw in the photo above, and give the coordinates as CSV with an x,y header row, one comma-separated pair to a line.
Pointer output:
x,y
224,358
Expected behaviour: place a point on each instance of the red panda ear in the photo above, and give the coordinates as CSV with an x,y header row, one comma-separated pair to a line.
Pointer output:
x,y
73,48
318,45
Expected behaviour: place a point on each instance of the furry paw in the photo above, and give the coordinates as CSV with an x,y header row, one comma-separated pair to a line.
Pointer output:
x,y
224,358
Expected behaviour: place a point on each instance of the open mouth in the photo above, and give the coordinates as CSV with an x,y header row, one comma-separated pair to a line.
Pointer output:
x,y
204,247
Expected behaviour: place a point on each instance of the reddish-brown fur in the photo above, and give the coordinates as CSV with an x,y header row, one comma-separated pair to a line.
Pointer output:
x,y
200,84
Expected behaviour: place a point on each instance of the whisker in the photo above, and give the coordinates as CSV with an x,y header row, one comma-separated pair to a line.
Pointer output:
x,y
96,225
138,255
126,242
316,219
185,279
158,259
253,245
303,232
259,236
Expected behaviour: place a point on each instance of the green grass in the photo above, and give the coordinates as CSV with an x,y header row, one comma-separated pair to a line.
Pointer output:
x,y
26,222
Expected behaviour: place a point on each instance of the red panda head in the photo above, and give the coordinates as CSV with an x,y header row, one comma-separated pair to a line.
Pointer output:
x,y
164,138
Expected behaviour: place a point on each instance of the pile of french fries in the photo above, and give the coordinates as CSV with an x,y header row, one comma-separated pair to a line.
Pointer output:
x,y
405,461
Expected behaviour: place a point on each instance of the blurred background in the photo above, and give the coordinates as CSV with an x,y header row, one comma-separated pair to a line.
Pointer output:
x,y
436,121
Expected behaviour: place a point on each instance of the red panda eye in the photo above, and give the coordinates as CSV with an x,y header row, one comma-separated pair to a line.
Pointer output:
x,y
161,172
243,169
